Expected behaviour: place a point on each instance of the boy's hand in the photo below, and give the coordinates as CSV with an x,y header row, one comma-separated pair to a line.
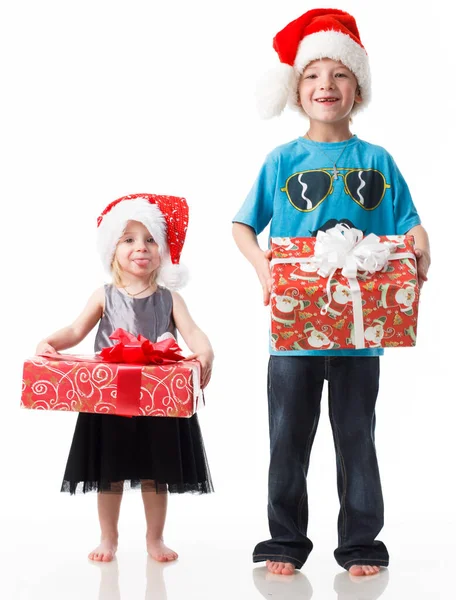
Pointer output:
x,y
263,269
206,359
45,348
423,263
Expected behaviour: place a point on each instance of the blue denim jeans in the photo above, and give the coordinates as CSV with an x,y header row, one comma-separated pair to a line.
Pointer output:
x,y
294,393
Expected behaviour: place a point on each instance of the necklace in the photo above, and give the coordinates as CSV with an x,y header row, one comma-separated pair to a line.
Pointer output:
x,y
335,172
137,293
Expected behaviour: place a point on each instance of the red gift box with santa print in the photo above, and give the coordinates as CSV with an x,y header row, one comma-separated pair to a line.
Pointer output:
x,y
342,290
124,387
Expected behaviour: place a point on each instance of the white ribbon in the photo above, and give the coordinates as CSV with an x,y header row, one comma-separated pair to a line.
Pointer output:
x,y
343,247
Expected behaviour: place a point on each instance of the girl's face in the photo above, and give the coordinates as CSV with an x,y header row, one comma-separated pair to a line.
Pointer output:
x,y
137,252
328,90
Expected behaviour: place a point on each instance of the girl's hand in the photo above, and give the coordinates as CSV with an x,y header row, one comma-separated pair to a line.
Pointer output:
x,y
423,263
206,360
45,348
263,270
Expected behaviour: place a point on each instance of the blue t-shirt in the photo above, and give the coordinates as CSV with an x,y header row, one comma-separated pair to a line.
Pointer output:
x,y
296,194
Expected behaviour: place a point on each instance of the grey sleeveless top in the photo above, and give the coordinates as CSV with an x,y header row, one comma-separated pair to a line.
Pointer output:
x,y
151,316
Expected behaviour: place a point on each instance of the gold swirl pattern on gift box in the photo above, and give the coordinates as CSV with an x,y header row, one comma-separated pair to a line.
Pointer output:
x,y
66,385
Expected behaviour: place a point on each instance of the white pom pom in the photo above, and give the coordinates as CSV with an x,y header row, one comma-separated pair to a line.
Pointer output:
x,y
172,276
273,90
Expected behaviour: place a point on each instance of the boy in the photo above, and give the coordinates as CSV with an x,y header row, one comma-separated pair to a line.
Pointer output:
x,y
328,176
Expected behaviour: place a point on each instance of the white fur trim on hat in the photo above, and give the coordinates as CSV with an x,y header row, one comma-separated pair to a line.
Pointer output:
x,y
114,222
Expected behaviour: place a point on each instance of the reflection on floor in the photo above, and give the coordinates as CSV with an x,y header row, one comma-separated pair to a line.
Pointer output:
x,y
298,586
109,580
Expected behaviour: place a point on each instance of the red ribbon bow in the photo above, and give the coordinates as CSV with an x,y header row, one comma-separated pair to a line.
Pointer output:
x,y
139,350
132,352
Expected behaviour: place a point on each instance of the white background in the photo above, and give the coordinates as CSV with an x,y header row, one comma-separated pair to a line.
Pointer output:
x,y
101,99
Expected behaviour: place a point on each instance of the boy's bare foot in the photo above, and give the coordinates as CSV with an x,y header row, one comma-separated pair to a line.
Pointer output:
x,y
157,550
280,568
106,551
362,570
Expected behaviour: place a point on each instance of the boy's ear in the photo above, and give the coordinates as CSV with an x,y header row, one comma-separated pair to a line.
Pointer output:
x,y
358,97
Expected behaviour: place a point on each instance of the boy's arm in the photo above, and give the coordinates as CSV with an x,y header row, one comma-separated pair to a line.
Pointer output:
x,y
422,251
246,241
73,334
194,337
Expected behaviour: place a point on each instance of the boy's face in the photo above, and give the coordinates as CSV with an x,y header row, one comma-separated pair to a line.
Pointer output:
x,y
327,91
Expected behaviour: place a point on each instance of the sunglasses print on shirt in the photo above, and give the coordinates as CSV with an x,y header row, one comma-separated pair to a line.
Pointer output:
x,y
306,190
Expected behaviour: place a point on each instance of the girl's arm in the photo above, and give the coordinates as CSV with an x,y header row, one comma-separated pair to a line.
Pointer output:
x,y
73,334
195,339
422,251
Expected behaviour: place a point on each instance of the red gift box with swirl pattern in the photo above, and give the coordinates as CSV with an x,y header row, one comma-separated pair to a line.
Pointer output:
x,y
343,291
131,378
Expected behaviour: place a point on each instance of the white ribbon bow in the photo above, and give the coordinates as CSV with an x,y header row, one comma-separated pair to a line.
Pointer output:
x,y
343,247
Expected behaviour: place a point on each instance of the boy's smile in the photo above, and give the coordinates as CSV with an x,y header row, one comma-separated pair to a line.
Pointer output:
x,y
327,91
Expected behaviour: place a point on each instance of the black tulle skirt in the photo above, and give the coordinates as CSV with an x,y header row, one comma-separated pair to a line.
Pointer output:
x,y
112,454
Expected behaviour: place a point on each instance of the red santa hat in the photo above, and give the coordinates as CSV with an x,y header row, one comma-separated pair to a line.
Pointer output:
x,y
319,33
166,219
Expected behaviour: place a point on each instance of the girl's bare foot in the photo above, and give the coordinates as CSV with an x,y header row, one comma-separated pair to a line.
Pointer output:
x,y
280,568
362,570
106,551
157,550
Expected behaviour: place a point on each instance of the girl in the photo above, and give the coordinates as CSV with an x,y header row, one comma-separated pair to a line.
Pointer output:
x,y
140,239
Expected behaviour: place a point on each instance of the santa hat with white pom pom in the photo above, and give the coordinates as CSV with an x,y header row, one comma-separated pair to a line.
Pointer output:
x,y
166,219
319,33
